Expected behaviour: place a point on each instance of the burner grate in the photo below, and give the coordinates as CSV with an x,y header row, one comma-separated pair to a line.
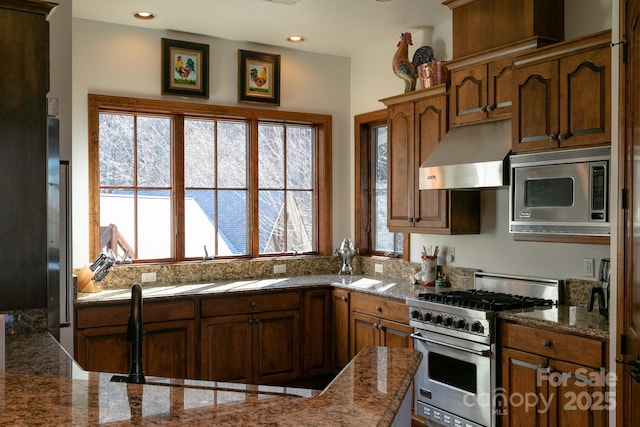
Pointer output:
x,y
485,300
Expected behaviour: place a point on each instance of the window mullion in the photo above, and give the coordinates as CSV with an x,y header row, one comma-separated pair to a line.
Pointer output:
x,y
177,182
253,205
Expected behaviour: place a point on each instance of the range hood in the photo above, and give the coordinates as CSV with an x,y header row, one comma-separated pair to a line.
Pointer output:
x,y
469,157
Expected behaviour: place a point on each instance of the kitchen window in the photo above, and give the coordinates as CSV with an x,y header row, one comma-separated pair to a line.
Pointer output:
x,y
371,148
174,181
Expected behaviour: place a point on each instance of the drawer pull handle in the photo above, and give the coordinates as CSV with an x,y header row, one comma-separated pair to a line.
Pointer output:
x,y
546,344
378,309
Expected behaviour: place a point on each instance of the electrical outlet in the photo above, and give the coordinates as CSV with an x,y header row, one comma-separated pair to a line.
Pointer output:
x,y
451,254
378,268
588,267
280,268
149,277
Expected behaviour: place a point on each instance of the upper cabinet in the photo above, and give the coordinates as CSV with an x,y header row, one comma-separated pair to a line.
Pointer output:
x,y
480,25
481,92
417,122
562,95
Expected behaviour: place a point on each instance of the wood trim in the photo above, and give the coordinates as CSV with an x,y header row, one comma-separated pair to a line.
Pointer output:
x,y
561,238
570,47
34,6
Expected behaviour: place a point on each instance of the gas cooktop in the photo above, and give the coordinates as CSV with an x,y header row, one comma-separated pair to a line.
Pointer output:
x,y
479,299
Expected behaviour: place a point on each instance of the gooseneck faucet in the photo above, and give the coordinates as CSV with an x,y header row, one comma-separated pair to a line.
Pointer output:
x,y
135,332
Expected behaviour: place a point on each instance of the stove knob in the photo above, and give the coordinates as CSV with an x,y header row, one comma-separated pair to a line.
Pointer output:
x,y
461,324
477,327
448,321
415,314
428,316
439,319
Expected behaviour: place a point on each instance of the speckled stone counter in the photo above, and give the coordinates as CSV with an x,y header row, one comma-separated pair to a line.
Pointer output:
x,y
569,319
42,385
400,289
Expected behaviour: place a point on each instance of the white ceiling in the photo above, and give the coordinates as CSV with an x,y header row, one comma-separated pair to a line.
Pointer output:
x,y
336,27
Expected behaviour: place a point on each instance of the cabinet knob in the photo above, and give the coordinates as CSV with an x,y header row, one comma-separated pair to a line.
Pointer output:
x,y
490,108
250,320
562,136
344,299
256,320
375,326
483,109
378,309
253,303
546,344
553,137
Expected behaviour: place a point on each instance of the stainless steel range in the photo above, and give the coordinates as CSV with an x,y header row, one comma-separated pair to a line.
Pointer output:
x,y
456,332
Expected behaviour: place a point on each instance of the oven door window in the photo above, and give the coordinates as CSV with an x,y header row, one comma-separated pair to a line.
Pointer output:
x,y
454,372
549,192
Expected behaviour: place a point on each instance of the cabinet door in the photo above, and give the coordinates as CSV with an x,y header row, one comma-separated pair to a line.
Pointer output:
x,y
317,332
468,95
400,178
103,349
169,349
499,95
520,378
225,348
585,98
364,332
580,398
340,329
431,125
535,103
393,334
276,346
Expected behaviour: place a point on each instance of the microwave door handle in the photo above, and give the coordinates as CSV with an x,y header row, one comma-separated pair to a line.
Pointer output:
x,y
484,353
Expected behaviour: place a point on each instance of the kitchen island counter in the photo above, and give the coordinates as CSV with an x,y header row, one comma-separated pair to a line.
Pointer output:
x,y
42,384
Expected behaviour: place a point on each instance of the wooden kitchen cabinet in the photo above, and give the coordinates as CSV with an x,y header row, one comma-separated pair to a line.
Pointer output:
x,y
562,95
480,93
340,315
377,321
253,339
168,342
561,371
28,277
417,122
316,358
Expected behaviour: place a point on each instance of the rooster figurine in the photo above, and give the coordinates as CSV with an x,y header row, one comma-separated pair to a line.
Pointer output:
x,y
402,66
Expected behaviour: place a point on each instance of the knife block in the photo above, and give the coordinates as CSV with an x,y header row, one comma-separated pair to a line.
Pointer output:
x,y
85,280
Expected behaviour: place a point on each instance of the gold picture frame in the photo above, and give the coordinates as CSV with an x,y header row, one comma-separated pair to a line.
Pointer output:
x,y
258,77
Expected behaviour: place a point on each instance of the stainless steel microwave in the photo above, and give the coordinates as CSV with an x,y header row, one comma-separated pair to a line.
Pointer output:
x,y
560,192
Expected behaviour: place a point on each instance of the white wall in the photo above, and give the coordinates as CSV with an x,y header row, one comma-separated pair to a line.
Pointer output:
x,y
125,61
493,249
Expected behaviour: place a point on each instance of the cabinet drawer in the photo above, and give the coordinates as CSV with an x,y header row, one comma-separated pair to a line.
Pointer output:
x,y
118,315
556,345
244,304
380,307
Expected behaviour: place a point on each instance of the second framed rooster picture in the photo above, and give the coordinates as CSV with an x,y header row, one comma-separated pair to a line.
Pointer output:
x,y
258,77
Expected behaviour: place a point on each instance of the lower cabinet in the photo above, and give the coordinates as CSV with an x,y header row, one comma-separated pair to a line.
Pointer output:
x,y
168,342
316,359
377,321
340,310
252,339
551,378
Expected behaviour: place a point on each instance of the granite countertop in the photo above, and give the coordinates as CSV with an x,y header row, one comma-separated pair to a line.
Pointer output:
x,y
41,383
381,286
570,319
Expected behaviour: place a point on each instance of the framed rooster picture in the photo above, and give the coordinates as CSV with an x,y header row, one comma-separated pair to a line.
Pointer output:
x,y
185,68
258,77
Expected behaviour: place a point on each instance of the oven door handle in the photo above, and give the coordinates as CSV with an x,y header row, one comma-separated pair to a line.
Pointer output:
x,y
483,353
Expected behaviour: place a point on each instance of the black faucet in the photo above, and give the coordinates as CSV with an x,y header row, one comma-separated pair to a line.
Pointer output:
x,y
135,332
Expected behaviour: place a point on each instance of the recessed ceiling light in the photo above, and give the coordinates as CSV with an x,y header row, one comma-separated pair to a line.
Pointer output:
x,y
295,39
144,15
